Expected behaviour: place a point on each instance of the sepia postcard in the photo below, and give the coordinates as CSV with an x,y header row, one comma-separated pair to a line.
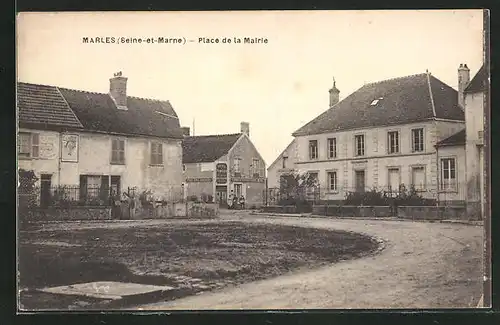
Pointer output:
x,y
256,160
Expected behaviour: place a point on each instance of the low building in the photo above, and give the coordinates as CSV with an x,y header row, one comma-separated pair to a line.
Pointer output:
x,y
215,165
284,164
98,142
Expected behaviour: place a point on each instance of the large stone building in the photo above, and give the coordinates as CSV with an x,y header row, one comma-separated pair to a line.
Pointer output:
x,y
99,140
215,165
382,135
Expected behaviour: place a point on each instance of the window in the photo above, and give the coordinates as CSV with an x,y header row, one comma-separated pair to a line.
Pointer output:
x,y
28,145
183,167
236,167
332,181
393,141
417,140
284,162
96,188
238,190
359,141
313,149
332,148
118,151
256,168
156,153
448,174
394,179
418,178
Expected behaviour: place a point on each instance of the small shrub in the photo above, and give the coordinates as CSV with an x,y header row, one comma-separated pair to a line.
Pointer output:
x,y
192,198
373,197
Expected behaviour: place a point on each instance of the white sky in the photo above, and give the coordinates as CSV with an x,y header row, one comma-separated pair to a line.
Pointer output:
x,y
277,87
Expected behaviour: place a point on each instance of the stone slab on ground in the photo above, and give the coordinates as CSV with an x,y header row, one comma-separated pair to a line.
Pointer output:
x,y
106,289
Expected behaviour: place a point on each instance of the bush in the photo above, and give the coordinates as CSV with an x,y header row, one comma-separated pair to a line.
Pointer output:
x,y
370,198
192,198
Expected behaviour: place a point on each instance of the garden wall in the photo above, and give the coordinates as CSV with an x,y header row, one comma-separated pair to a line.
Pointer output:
x,y
60,214
403,212
166,210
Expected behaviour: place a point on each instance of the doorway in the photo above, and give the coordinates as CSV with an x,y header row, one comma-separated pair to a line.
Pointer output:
x,y
45,185
221,193
360,180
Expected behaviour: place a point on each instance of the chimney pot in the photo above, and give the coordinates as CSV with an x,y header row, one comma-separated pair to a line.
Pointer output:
x,y
118,89
245,128
463,81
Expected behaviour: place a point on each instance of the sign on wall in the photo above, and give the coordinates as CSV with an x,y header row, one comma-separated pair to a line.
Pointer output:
x,y
221,173
69,147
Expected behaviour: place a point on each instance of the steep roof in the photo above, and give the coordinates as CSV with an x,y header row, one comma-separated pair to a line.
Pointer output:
x,y
453,140
390,102
96,112
44,105
479,83
207,148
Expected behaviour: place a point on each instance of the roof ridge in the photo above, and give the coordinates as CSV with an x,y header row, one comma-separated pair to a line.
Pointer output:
x,y
431,95
96,92
67,105
395,78
213,135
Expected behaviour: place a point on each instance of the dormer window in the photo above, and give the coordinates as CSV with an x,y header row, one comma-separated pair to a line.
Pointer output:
x,y
375,101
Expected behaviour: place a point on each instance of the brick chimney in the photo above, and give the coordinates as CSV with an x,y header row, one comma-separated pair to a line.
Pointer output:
x,y
334,94
245,128
118,90
186,131
463,81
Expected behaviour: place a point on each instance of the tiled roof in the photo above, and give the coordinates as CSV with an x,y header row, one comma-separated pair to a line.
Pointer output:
x,y
207,148
98,112
39,104
44,105
453,140
479,83
395,101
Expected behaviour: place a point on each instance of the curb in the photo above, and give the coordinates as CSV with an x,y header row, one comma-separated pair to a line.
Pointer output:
x,y
306,215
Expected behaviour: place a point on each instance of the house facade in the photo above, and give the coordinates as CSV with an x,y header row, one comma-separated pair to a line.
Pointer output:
x,y
99,143
381,136
284,164
215,165
476,98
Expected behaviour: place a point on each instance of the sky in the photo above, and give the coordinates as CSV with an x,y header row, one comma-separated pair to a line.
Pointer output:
x,y
276,86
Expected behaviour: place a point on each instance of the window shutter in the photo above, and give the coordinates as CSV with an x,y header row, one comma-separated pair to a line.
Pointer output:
x,y
35,143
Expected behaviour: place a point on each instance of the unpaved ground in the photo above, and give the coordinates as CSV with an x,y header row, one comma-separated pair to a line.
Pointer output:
x,y
189,256
424,265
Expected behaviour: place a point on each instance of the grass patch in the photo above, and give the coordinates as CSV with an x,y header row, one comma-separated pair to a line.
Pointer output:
x,y
214,255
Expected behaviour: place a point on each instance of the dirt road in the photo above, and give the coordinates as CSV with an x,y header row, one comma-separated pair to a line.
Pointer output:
x,y
423,265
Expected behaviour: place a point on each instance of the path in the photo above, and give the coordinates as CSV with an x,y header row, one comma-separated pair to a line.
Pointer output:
x,y
423,265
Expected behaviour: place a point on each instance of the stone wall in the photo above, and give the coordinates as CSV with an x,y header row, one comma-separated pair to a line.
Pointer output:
x,y
64,214
403,212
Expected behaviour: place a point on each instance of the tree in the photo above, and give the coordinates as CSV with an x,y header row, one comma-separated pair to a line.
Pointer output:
x,y
294,187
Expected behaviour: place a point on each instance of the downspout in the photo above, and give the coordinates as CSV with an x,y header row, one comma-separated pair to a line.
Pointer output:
x,y
59,160
438,173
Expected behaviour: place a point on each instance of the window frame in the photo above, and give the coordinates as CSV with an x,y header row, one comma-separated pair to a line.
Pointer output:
x,y
356,151
445,186
156,153
413,148
256,168
32,145
330,173
331,143
119,161
412,180
313,149
397,142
